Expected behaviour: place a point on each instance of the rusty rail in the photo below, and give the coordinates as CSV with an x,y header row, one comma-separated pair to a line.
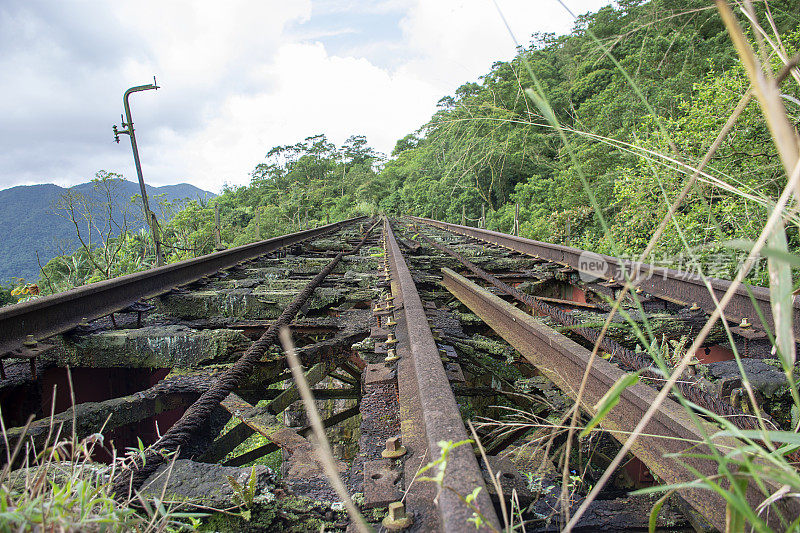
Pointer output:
x,y
61,312
674,285
424,388
671,444
629,359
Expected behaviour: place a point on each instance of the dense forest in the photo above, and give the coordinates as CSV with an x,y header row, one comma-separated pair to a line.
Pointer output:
x,y
591,134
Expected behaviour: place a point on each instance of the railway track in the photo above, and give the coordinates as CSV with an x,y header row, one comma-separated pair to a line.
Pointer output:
x,y
406,329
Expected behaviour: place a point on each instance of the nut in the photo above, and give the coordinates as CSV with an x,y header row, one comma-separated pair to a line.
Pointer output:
x,y
390,339
394,448
397,518
391,355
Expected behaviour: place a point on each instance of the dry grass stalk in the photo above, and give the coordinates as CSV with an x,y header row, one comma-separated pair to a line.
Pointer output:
x,y
324,453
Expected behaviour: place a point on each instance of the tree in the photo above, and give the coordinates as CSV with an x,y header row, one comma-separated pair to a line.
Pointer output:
x,y
101,220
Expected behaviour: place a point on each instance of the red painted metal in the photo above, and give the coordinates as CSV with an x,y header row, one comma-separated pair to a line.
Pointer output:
x,y
713,354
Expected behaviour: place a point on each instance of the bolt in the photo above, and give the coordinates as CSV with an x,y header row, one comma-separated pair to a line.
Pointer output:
x,y
694,307
391,355
391,322
378,309
745,323
397,518
394,448
389,297
30,342
390,339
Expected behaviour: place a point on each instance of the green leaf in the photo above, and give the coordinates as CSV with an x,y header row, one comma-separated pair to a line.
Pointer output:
x,y
251,488
471,497
788,437
609,400
237,488
780,293
651,527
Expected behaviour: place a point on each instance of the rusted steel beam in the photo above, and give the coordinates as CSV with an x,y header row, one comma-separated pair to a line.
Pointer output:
x,y
263,423
314,375
671,431
282,399
422,375
261,451
58,313
674,285
301,459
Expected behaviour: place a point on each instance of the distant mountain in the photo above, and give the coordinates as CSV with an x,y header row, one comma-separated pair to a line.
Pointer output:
x,y
28,223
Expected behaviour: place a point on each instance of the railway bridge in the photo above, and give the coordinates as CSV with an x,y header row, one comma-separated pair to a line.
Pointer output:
x,y
447,365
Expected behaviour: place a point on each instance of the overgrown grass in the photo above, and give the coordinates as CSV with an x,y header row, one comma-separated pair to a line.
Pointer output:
x,y
765,459
61,488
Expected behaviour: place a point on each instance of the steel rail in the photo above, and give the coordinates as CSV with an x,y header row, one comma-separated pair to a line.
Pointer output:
x,y
58,313
675,285
671,445
628,358
422,382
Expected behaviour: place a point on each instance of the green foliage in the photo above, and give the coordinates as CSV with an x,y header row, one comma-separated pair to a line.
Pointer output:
x,y
609,400
489,145
245,494
62,489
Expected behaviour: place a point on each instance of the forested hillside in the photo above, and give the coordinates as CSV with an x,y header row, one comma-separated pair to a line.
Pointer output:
x,y
592,134
639,91
33,220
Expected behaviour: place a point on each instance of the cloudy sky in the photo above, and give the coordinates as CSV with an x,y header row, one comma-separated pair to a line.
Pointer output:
x,y
238,77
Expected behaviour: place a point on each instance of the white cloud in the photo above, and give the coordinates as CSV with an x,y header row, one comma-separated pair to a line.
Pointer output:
x,y
237,78
332,95
460,39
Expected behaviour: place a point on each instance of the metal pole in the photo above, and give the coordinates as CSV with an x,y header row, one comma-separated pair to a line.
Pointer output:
x,y
258,223
483,215
516,219
128,125
217,232
463,215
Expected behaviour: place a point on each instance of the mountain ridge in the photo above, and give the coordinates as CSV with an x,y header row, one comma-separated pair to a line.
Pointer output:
x,y
28,223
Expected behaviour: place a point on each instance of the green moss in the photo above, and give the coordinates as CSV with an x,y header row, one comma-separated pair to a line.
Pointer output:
x,y
290,514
